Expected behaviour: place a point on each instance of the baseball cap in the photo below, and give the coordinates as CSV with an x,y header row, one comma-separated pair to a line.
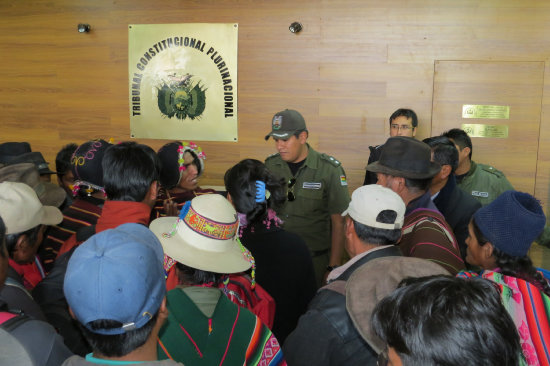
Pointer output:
x,y
117,275
368,201
284,124
21,210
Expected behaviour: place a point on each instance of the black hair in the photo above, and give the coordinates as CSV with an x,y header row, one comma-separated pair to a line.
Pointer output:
x,y
117,345
194,277
448,321
63,159
373,235
129,169
418,184
444,151
519,267
461,138
240,183
408,113
11,239
2,239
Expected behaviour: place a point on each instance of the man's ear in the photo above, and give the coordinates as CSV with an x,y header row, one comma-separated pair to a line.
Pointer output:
x,y
348,226
20,248
445,171
302,137
400,184
465,152
414,131
153,190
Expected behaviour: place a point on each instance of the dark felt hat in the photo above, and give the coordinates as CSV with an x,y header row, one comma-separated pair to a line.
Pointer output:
x,y
13,149
511,222
34,157
405,157
86,162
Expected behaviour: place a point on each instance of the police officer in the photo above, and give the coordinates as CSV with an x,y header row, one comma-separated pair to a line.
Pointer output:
x,y
483,182
317,191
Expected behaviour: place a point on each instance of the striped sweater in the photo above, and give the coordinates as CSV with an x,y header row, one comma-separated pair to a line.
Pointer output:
x,y
83,212
426,234
231,336
530,311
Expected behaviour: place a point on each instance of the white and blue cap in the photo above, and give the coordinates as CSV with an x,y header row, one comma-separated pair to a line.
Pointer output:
x,y
116,275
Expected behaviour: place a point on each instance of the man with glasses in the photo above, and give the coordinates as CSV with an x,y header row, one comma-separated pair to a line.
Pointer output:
x,y
317,191
403,122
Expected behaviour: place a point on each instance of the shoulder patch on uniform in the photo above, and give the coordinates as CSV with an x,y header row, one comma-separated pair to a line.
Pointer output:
x,y
492,170
330,159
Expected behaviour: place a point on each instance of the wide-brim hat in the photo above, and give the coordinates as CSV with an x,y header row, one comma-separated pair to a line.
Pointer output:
x,y
34,157
285,124
13,149
48,193
204,236
375,280
21,210
405,157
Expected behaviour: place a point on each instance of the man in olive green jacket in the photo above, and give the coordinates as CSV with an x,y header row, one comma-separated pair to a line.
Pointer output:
x,y
317,191
483,182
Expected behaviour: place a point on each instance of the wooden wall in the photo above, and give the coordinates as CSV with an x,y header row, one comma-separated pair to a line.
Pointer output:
x,y
354,63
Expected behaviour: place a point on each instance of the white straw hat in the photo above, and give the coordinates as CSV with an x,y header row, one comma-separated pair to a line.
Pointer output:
x,y
204,236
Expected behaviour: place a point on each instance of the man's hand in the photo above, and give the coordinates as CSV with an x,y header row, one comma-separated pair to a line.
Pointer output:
x,y
170,207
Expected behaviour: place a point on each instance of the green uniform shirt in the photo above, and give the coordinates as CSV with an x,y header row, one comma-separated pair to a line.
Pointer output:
x,y
484,183
321,190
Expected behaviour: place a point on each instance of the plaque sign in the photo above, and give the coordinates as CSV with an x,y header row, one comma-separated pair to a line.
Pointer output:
x,y
482,130
486,111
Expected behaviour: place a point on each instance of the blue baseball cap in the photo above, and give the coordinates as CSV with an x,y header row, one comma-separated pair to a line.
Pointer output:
x,y
116,275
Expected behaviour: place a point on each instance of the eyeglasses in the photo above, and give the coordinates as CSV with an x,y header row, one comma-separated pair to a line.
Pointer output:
x,y
290,193
383,358
395,126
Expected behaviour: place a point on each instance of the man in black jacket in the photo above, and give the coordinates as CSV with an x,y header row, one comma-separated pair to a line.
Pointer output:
x,y
325,334
457,206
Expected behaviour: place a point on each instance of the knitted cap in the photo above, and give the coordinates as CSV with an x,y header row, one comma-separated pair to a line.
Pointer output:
x,y
86,162
511,222
169,156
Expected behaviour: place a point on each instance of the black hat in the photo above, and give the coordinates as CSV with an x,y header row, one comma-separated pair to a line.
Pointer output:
x,y
405,157
86,162
169,156
32,157
10,149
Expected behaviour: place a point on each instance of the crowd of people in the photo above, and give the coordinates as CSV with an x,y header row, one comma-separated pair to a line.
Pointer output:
x,y
127,260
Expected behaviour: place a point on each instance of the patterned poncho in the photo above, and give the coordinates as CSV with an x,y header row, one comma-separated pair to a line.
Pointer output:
x,y
530,311
231,336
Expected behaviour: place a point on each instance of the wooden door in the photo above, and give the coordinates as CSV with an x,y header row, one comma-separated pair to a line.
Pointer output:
x,y
517,85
